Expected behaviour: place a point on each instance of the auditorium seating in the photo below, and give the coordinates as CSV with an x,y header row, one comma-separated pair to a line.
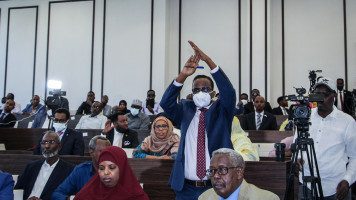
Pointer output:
x,y
154,174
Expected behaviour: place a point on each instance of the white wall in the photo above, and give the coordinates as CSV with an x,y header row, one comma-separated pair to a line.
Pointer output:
x,y
314,39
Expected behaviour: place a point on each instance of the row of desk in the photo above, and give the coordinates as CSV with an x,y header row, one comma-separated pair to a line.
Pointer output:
x,y
154,174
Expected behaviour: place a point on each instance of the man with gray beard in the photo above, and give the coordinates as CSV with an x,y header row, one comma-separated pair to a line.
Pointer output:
x,y
42,177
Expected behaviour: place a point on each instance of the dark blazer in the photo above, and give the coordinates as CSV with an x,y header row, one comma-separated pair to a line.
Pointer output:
x,y
278,111
269,122
218,120
9,118
249,107
347,101
72,143
84,107
129,140
27,179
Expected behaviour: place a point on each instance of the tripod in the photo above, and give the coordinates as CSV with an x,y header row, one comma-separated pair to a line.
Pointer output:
x,y
305,144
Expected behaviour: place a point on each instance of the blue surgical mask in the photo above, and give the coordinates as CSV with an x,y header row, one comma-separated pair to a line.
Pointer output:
x,y
134,111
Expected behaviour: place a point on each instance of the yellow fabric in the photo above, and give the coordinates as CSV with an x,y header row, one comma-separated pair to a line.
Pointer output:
x,y
283,125
241,143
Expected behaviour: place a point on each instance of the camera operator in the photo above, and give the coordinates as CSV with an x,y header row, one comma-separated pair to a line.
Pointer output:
x,y
334,137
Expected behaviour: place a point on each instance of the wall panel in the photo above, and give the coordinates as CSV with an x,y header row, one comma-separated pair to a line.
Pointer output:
x,y
313,40
70,48
127,50
214,29
21,53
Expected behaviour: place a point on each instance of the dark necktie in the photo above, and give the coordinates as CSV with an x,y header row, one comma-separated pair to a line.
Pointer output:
x,y
2,116
201,164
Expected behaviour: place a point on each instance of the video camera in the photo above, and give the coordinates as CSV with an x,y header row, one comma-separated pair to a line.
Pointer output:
x,y
57,92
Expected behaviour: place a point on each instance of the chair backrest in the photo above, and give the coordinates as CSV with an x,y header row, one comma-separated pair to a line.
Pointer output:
x,y
15,177
2,147
128,152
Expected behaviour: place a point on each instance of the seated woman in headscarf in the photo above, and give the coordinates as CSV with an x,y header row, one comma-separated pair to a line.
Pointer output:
x,y
122,107
162,143
114,179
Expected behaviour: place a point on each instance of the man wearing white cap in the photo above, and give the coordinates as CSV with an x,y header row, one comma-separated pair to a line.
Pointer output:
x,y
334,137
136,118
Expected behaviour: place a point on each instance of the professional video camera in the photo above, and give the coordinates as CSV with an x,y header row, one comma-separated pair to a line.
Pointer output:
x,y
53,102
300,115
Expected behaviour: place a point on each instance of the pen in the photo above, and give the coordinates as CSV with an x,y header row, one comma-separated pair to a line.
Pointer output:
x,y
199,67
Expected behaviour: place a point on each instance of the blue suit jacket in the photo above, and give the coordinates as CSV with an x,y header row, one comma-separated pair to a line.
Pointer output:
x,y
28,178
6,186
218,120
41,115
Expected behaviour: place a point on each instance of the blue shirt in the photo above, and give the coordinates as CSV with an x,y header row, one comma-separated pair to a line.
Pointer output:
x,y
140,153
80,175
40,115
234,195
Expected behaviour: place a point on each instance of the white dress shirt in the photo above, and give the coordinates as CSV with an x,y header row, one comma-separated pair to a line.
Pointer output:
x,y
335,146
190,147
284,111
42,178
156,109
117,141
88,122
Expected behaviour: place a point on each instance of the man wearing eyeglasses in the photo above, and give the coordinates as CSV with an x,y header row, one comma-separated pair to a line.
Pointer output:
x,y
40,178
205,126
94,120
226,173
150,106
72,142
333,132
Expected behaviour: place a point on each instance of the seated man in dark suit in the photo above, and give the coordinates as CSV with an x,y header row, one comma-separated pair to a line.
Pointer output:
x,y
119,134
282,109
71,140
259,120
7,119
240,106
249,107
40,178
82,173
85,107
343,101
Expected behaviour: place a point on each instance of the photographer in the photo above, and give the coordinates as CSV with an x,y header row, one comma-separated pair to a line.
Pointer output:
x,y
334,138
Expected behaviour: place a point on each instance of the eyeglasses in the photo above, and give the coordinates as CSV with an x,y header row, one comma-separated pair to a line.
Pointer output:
x,y
203,89
59,120
161,127
97,107
221,171
151,95
48,142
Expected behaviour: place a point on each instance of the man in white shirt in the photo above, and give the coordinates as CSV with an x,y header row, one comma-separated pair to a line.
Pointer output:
x,y
40,178
334,138
17,108
94,120
150,106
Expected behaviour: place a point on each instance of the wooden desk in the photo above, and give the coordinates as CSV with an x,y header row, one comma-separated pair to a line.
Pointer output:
x,y
154,174
264,136
26,138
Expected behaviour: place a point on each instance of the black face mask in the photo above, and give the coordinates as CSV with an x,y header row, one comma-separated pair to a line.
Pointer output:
x,y
122,130
340,88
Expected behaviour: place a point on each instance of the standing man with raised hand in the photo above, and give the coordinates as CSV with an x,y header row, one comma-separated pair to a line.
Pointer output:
x,y
205,127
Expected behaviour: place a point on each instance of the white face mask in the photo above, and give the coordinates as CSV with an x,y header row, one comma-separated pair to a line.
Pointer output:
x,y
59,127
134,111
202,99
244,101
